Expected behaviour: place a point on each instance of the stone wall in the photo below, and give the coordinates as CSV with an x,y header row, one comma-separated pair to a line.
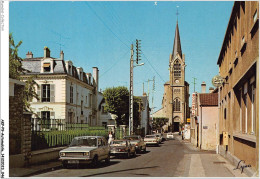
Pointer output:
x,y
15,120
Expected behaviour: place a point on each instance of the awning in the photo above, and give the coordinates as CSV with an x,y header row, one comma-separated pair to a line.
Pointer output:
x,y
46,65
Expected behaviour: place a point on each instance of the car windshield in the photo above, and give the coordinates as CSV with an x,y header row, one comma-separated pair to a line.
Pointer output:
x,y
131,138
157,135
90,142
150,136
120,142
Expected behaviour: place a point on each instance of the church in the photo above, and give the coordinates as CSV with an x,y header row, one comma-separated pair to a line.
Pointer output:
x,y
175,103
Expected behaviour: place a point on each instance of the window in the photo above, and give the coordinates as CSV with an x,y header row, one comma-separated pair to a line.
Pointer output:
x,y
240,111
176,105
46,93
104,124
69,72
70,115
86,100
46,121
255,16
177,69
253,109
46,67
225,113
103,109
81,107
71,94
90,100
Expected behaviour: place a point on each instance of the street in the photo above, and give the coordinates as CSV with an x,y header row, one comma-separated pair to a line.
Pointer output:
x,y
174,158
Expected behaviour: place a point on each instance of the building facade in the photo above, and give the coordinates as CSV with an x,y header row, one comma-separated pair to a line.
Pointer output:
x,y
65,92
239,94
176,90
145,114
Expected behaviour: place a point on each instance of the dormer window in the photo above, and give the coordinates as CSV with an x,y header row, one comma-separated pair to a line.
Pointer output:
x,y
69,72
46,67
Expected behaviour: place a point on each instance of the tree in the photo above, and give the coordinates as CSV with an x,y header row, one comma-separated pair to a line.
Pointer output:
x,y
117,102
159,122
16,70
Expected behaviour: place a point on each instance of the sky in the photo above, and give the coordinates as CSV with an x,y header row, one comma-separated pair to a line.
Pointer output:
x,y
100,34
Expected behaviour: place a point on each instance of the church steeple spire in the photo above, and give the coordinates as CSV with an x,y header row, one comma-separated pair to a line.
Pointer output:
x,y
177,43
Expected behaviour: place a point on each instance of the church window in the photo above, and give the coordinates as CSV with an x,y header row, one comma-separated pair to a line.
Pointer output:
x,y
177,69
177,105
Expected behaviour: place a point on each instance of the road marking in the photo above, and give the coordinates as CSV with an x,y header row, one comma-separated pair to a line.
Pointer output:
x,y
196,168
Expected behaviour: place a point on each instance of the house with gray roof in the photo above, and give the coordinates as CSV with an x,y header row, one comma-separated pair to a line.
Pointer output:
x,y
66,93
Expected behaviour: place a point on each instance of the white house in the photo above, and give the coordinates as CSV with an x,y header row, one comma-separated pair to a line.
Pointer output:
x,y
65,92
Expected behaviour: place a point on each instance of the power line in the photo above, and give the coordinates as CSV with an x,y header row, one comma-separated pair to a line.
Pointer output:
x,y
106,24
114,64
153,67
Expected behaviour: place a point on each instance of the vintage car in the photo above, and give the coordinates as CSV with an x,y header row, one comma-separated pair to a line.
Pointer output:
x,y
151,140
122,147
86,150
159,136
138,142
169,136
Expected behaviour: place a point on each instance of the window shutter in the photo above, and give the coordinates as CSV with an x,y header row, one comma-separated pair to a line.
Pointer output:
x,y
52,86
52,115
39,93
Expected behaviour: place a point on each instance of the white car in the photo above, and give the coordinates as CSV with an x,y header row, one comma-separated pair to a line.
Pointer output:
x,y
151,140
87,150
169,136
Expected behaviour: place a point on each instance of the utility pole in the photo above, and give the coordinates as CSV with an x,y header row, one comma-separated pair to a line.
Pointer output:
x,y
194,79
153,96
148,93
131,96
131,89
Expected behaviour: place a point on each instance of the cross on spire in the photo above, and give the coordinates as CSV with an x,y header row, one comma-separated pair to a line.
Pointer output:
x,y
177,13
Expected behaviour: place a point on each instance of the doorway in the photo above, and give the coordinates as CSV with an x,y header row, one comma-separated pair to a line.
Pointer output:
x,y
176,127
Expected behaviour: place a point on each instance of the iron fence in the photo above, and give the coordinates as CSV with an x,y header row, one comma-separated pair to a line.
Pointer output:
x,y
56,132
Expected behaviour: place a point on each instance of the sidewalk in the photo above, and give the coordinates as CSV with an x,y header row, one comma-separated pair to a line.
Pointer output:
x,y
208,163
34,169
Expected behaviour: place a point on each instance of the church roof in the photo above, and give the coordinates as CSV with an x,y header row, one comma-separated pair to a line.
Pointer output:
x,y
177,43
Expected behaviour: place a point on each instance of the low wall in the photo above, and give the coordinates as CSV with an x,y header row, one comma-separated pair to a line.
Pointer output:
x,y
234,160
39,156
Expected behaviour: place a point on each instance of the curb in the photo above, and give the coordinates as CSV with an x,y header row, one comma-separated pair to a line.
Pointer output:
x,y
43,170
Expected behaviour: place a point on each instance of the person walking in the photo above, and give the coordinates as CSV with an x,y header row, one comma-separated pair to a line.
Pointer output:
x,y
110,137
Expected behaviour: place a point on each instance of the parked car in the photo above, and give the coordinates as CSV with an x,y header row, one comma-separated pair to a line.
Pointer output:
x,y
122,147
169,136
151,140
86,150
159,136
137,141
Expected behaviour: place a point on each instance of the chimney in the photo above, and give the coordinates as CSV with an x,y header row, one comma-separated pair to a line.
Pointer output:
x,y
203,87
29,55
47,52
95,76
61,55
211,90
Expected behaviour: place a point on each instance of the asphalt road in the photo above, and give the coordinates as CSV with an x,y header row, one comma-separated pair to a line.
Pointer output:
x,y
173,158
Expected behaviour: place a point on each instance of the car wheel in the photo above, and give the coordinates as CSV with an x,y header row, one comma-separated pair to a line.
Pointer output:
x,y
64,164
95,162
107,160
144,150
134,153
